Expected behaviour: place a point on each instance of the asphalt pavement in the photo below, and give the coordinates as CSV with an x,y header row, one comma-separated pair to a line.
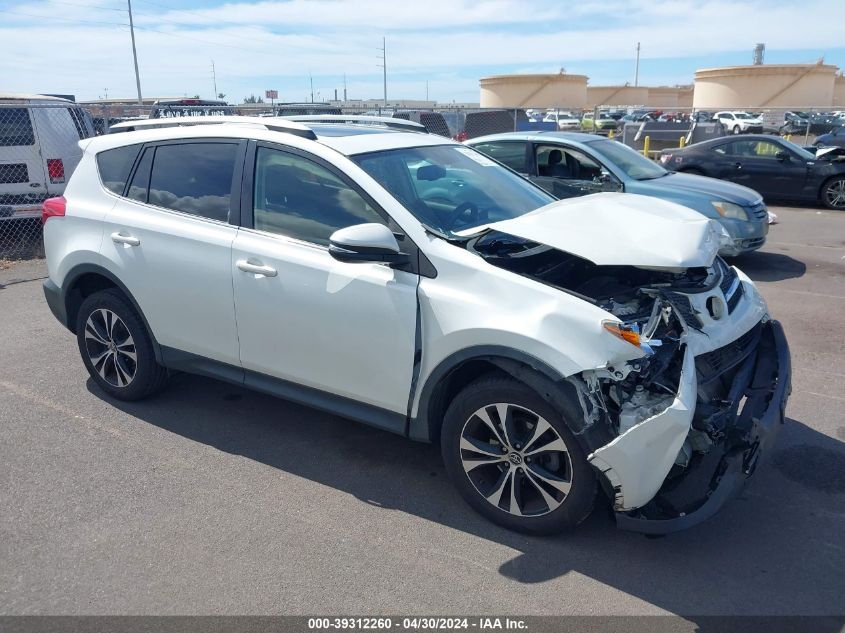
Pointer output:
x,y
210,499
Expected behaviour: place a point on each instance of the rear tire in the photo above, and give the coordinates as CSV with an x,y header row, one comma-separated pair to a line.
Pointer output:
x,y
528,474
116,348
833,193
736,129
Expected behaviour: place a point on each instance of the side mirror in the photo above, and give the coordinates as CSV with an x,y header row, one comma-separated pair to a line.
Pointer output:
x,y
782,156
431,172
363,243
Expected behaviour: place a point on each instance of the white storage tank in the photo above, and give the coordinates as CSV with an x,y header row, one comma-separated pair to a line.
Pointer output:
x,y
534,91
765,85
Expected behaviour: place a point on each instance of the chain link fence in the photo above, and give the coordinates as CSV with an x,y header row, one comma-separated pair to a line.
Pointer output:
x,y
39,140
38,152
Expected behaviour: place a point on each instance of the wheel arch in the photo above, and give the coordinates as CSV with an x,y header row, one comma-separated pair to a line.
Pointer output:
x,y
82,281
467,365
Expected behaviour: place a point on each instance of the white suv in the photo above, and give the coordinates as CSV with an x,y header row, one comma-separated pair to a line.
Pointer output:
x,y
406,281
740,122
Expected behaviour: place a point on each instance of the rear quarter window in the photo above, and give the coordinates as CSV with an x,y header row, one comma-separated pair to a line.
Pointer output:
x,y
114,166
15,127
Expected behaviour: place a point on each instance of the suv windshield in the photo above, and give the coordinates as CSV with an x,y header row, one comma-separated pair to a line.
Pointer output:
x,y
634,164
451,188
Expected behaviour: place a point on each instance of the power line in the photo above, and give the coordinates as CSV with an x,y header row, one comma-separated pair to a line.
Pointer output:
x,y
84,6
50,17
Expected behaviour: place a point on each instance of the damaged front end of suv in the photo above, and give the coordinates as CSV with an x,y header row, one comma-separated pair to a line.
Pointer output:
x,y
677,427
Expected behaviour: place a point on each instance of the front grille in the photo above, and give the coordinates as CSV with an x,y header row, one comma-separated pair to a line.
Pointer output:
x,y
760,212
720,360
682,306
730,280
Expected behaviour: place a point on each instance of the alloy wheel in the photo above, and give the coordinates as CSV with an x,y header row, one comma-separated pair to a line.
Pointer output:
x,y
835,193
111,348
516,460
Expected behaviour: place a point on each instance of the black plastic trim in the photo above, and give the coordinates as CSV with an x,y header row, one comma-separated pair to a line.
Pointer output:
x,y
314,398
69,283
53,295
423,429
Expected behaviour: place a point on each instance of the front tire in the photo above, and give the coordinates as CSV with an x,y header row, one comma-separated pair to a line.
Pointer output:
x,y
116,348
833,193
736,129
514,460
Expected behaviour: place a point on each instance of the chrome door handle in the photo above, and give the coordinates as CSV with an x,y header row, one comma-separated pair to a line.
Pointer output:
x,y
120,238
256,269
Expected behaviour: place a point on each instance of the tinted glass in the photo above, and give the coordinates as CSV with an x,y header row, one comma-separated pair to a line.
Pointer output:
x,y
140,186
114,166
508,153
450,188
752,149
15,127
556,161
194,178
297,197
630,161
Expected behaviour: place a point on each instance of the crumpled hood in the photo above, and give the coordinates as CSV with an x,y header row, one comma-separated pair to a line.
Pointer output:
x,y
620,229
713,188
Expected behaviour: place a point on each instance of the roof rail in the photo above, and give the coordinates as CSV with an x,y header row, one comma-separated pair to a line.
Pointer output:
x,y
277,124
361,119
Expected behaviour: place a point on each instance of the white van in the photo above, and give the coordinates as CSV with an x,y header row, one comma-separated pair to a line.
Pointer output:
x,y
39,150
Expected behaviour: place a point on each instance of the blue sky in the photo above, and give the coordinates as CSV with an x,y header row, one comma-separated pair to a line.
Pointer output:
x,y
82,47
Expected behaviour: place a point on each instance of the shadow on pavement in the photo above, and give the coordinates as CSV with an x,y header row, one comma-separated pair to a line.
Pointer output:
x,y
763,554
764,266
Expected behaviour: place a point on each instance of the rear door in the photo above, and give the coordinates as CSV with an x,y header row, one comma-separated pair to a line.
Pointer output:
x,y
169,239
59,130
22,177
514,154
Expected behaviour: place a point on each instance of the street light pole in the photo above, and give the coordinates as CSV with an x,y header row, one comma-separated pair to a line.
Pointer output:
x,y
134,52
637,71
214,76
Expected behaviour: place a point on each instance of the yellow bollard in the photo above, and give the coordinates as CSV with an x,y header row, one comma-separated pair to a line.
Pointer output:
x,y
646,143
610,134
683,142
789,137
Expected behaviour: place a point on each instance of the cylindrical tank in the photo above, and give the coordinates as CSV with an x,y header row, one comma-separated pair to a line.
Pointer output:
x,y
616,96
839,91
533,91
766,85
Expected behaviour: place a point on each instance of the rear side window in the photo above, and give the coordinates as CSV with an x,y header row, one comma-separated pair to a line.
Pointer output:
x,y
15,127
114,166
78,122
510,153
194,178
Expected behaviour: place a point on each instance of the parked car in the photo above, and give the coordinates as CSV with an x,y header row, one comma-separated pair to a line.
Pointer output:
x,y
603,124
167,108
38,150
739,122
410,282
775,167
564,120
568,165
834,138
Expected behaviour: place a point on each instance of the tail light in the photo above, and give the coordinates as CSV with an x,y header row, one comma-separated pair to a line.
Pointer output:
x,y
56,170
53,208
665,158
461,137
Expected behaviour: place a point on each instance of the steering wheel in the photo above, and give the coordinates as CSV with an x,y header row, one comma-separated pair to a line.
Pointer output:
x,y
460,210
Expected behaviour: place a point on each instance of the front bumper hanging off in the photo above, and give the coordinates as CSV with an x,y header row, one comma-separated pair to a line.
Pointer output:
x,y
753,414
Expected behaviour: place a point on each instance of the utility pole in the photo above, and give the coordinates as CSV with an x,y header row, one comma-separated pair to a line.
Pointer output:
x,y
344,87
384,66
134,52
637,71
311,79
214,76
